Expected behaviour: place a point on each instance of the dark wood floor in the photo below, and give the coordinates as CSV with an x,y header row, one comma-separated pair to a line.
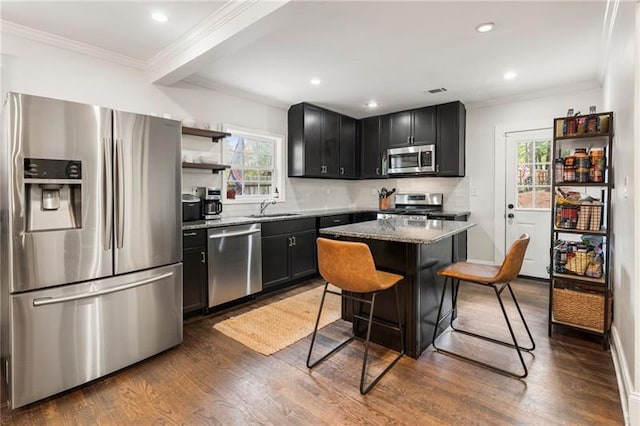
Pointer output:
x,y
212,379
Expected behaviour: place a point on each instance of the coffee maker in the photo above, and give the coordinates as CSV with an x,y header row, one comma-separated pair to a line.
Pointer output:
x,y
211,202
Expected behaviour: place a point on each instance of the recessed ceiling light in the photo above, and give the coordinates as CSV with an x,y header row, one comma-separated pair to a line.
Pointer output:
x,y
315,81
510,75
484,28
159,16
372,104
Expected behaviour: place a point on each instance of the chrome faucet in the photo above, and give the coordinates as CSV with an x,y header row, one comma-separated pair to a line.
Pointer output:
x,y
264,204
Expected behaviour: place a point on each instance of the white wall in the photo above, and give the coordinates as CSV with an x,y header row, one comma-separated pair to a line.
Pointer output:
x,y
619,87
480,154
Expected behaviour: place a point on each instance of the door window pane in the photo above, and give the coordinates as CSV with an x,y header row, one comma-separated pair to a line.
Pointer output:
x,y
533,174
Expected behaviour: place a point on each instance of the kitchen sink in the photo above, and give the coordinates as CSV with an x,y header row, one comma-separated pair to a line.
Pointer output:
x,y
274,214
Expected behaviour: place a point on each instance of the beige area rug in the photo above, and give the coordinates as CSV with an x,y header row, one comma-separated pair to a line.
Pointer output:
x,y
274,327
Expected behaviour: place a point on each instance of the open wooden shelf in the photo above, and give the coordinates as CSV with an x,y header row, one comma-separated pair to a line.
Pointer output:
x,y
578,327
206,133
581,278
584,136
213,167
580,231
591,184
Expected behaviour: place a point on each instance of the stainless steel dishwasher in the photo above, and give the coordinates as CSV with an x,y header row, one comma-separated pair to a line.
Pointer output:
x,y
235,262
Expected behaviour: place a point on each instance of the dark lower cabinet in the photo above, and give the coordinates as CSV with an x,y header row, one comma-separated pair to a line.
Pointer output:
x,y
288,251
194,271
303,254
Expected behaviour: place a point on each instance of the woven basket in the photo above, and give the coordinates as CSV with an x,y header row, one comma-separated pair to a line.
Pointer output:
x,y
580,308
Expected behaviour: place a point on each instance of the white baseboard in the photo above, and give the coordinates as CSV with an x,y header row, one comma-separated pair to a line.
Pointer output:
x,y
634,409
630,399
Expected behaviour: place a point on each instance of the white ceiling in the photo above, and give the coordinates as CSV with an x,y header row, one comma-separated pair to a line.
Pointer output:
x,y
388,51
123,27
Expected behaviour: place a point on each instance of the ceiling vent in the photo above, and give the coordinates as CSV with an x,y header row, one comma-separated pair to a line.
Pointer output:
x,y
438,90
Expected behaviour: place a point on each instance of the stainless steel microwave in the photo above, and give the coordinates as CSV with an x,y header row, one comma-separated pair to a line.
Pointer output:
x,y
413,159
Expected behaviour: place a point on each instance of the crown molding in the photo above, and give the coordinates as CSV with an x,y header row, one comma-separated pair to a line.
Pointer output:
x,y
71,45
198,80
535,94
212,23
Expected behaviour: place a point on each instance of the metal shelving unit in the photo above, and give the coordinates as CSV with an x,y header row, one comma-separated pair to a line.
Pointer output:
x,y
578,301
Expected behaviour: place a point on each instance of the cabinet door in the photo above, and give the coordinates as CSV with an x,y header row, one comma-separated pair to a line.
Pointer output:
x,y
451,119
424,126
370,144
313,141
275,260
303,254
194,279
400,135
383,145
330,143
347,167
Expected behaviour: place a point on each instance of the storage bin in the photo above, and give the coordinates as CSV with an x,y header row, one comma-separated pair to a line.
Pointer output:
x,y
581,308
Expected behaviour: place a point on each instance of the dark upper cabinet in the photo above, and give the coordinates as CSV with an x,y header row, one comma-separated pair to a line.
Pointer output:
x,y
450,141
400,129
373,147
318,144
414,127
348,147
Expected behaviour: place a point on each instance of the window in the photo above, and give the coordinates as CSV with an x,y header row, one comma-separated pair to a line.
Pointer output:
x,y
256,165
533,176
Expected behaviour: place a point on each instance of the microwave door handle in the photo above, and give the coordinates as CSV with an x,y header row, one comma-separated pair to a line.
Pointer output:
x,y
419,158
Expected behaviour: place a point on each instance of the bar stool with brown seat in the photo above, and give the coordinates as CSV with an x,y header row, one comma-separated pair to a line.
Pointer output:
x,y
497,277
350,267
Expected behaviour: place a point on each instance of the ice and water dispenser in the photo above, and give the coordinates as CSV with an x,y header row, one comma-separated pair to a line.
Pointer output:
x,y
53,190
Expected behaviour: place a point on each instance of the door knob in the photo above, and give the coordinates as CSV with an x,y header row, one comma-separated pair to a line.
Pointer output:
x,y
510,206
510,215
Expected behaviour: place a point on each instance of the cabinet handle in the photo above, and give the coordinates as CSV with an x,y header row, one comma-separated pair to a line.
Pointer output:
x,y
190,234
202,258
341,170
336,221
438,168
290,239
293,241
377,170
408,139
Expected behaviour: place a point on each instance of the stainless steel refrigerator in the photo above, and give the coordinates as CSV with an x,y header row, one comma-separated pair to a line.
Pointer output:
x,y
90,250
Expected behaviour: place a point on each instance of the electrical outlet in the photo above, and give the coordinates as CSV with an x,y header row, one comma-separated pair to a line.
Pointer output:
x,y
625,187
474,191
374,191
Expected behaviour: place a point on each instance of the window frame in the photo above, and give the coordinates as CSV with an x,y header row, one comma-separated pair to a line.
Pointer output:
x,y
279,171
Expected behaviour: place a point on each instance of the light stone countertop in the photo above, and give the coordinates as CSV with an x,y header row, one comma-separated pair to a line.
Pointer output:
x,y
277,216
400,230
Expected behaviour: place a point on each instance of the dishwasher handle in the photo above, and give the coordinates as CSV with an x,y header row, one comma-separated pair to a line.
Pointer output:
x,y
233,234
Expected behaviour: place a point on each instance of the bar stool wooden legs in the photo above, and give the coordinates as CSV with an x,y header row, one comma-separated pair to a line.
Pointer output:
x,y
350,266
498,278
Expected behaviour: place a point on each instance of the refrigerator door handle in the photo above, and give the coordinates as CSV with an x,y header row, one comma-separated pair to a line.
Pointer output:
x,y
108,194
50,300
119,194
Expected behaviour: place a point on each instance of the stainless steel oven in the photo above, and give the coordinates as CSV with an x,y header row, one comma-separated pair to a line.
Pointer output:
x,y
412,160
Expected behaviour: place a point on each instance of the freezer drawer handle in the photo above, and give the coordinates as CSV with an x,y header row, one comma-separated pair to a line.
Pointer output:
x,y
50,300
233,234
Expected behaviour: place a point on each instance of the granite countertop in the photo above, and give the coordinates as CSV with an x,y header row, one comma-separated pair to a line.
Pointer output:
x,y
277,216
452,213
400,230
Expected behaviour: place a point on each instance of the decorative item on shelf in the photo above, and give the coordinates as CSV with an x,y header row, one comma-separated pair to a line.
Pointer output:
x,y
558,169
582,165
597,160
592,109
570,112
582,125
603,123
592,124
569,170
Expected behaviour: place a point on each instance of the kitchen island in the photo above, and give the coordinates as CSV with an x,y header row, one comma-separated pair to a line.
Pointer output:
x,y
416,249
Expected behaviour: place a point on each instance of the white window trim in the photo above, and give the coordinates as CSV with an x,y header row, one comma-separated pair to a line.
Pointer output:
x,y
279,163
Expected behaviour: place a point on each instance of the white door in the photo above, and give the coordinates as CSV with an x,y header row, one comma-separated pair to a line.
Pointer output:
x,y
528,196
